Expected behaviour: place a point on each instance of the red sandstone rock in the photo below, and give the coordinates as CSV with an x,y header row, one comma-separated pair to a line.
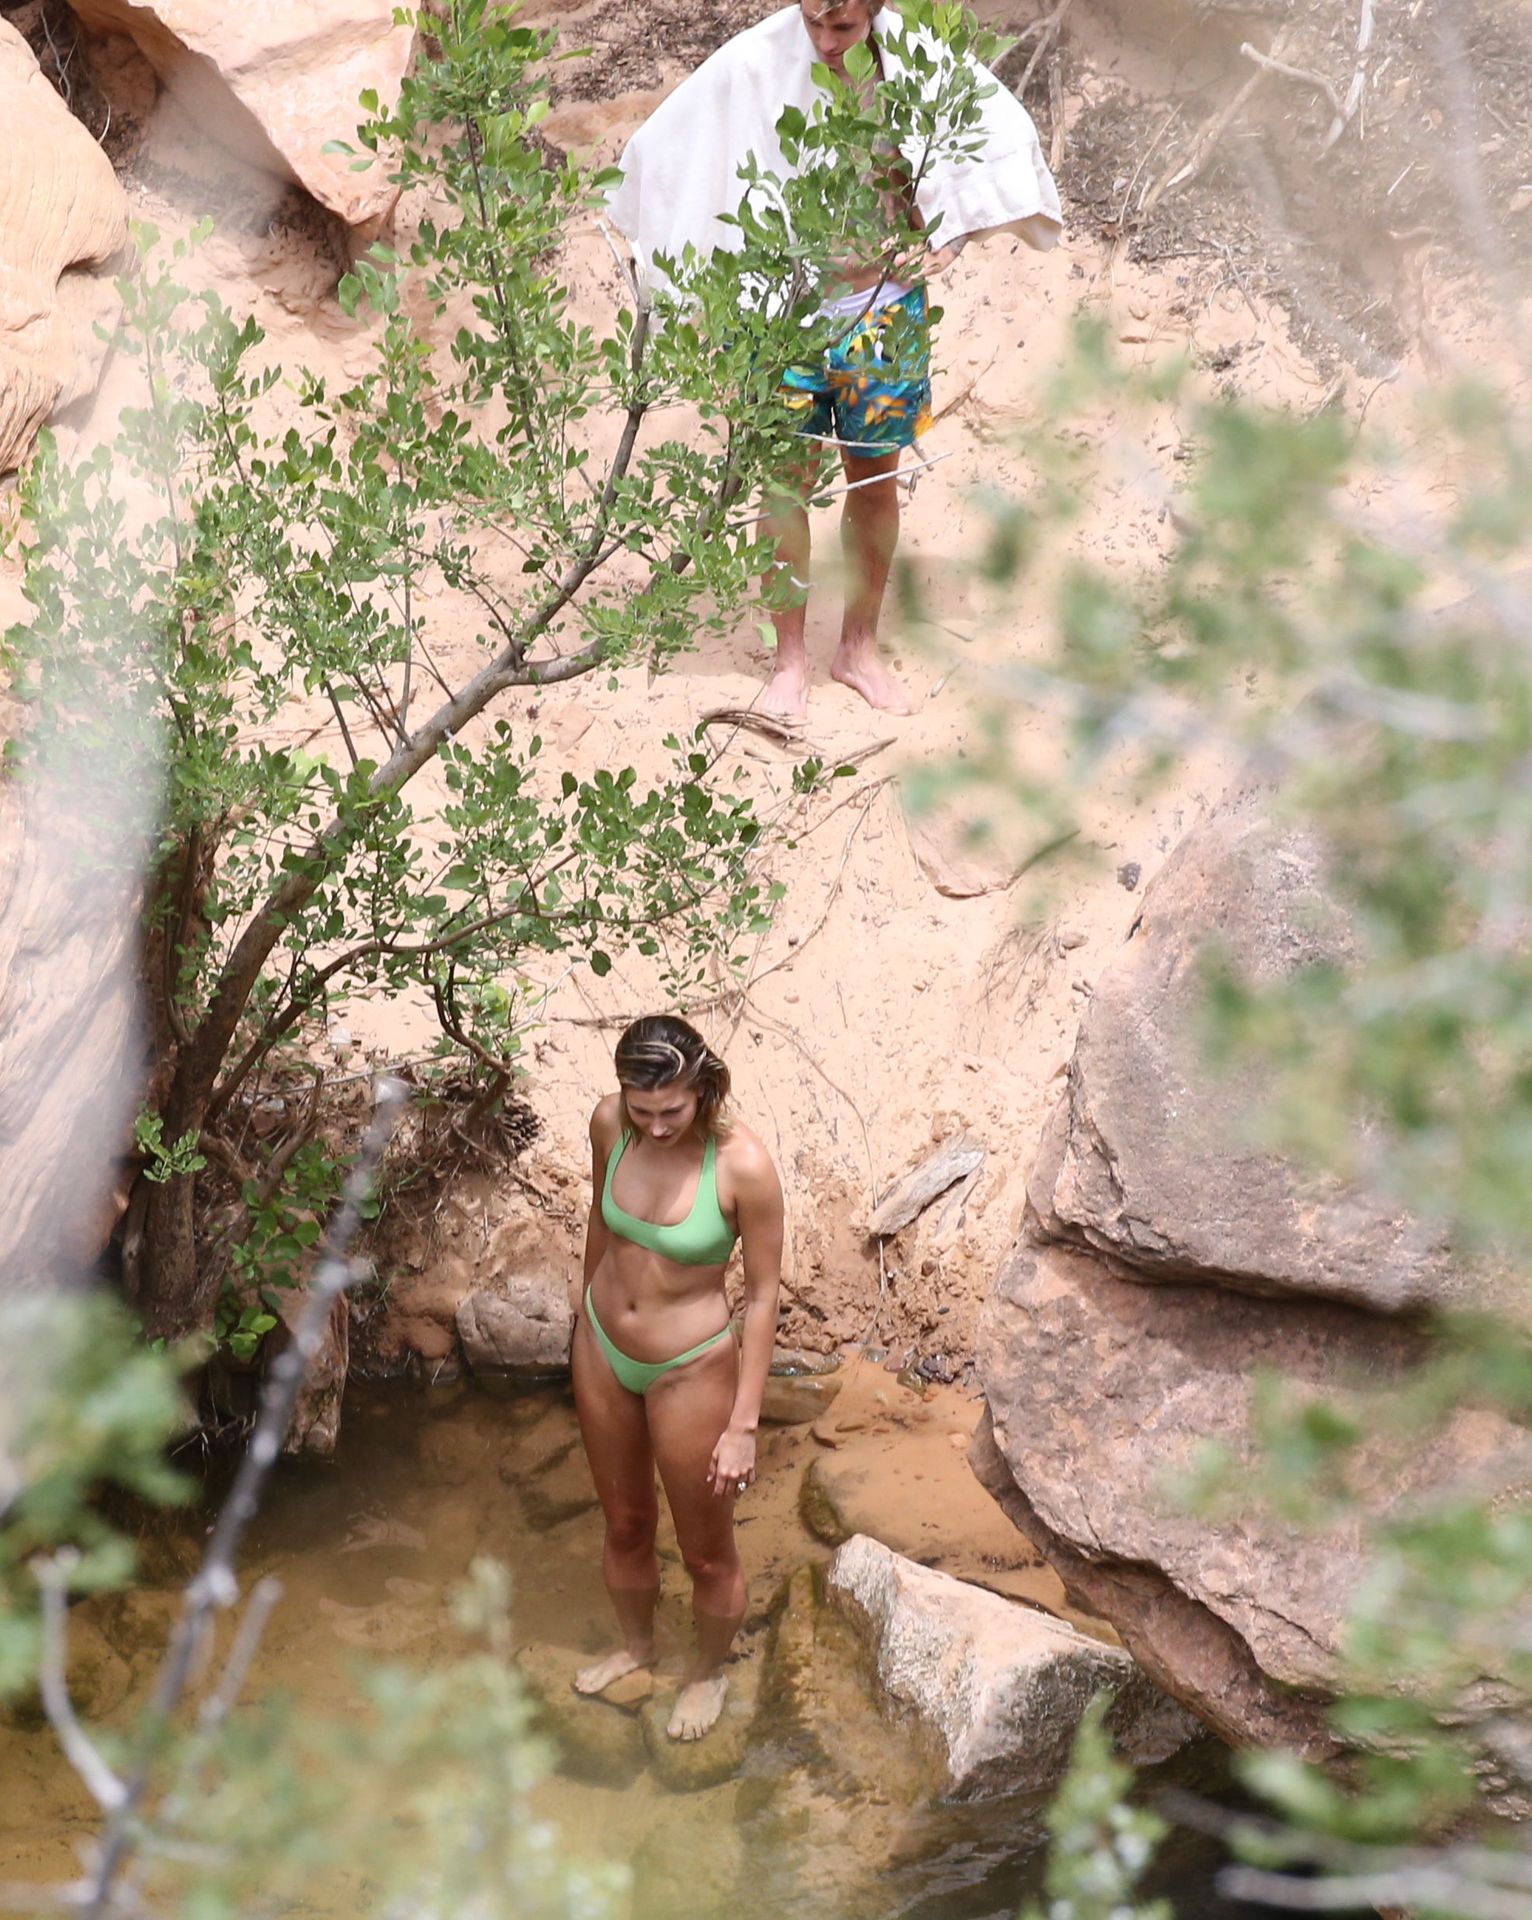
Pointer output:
x,y
276,82
62,215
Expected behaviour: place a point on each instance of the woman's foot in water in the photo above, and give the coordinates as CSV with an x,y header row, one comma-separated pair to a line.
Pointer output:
x,y
611,1667
698,1705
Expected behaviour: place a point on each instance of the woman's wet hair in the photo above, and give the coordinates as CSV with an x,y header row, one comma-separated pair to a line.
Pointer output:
x,y
660,1050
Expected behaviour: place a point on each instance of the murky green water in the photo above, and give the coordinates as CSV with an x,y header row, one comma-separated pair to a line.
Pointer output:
x,y
829,1814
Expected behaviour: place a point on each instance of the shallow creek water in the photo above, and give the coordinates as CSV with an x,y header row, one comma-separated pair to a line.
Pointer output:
x,y
828,1814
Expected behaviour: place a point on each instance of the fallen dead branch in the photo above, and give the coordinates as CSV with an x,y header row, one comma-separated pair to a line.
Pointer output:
x,y
1305,76
1346,110
1205,142
785,733
954,1160
1047,31
958,398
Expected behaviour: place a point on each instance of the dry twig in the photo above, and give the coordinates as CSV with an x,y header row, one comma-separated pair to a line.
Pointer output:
x,y
216,1586
957,400
1305,76
1346,109
103,1785
1460,1877
1047,30
1212,131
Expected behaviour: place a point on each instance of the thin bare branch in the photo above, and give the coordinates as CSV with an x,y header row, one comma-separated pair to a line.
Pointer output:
x,y
216,1585
221,1702
103,1785
1305,76
1206,141
1406,1890
1051,27
1347,110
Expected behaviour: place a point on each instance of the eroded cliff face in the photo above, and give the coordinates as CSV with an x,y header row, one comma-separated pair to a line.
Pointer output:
x,y
1166,1258
72,1056
63,218
276,83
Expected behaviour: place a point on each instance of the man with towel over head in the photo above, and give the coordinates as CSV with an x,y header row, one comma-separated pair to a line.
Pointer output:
x,y
868,391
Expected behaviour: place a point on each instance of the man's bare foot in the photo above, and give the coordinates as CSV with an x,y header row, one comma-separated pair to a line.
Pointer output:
x,y
597,1677
698,1705
860,669
786,697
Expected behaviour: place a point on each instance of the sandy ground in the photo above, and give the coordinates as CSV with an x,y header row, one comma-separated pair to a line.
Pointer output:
x,y
911,987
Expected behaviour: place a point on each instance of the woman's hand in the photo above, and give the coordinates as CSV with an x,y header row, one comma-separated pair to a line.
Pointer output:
x,y
732,1468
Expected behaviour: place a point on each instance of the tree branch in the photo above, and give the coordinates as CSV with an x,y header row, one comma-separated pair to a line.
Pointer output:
x,y
103,1785
189,1103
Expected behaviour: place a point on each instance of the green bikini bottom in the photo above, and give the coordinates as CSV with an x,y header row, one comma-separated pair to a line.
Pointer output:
x,y
638,1376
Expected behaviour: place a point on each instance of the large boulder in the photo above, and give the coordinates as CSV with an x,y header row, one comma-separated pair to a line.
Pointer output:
x,y
1103,1391
519,1329
276,82
1184,1648
62,216
75,839
1156,1161
995,1689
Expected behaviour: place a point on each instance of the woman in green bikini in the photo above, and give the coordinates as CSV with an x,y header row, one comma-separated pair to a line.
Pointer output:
x,y
659,1381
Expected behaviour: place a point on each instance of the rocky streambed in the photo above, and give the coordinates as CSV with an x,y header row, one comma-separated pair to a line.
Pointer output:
x,y
895,1727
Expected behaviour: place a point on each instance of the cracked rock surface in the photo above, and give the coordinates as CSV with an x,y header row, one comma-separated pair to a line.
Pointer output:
x,y
62,218
1167,1258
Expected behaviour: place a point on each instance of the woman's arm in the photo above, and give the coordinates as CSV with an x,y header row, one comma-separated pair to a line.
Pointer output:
x,y
758,1210
601,1131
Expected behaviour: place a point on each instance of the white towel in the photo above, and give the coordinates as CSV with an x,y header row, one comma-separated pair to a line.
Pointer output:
x,y
681,169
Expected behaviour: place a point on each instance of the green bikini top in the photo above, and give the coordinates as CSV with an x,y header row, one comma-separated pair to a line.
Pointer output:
x,y
703,1239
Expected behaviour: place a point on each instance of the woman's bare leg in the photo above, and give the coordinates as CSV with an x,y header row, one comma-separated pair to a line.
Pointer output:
x,y
616,1436
688,1409
869,532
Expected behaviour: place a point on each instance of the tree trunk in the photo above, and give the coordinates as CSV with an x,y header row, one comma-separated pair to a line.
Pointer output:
x,y
174,1297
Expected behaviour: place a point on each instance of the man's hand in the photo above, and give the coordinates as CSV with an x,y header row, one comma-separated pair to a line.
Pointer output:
x,y
938,259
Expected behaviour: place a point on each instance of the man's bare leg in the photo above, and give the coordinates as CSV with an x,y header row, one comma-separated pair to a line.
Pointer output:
x,y
786,518
869,531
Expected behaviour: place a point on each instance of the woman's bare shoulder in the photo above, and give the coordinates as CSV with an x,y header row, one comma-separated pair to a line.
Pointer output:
x,y
746,1155
606,1121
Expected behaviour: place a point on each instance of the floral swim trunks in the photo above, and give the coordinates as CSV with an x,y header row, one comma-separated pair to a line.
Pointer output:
x,y
872,388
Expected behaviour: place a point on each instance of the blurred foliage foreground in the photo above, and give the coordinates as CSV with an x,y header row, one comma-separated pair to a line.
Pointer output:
x,y
1373,649
1349,612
